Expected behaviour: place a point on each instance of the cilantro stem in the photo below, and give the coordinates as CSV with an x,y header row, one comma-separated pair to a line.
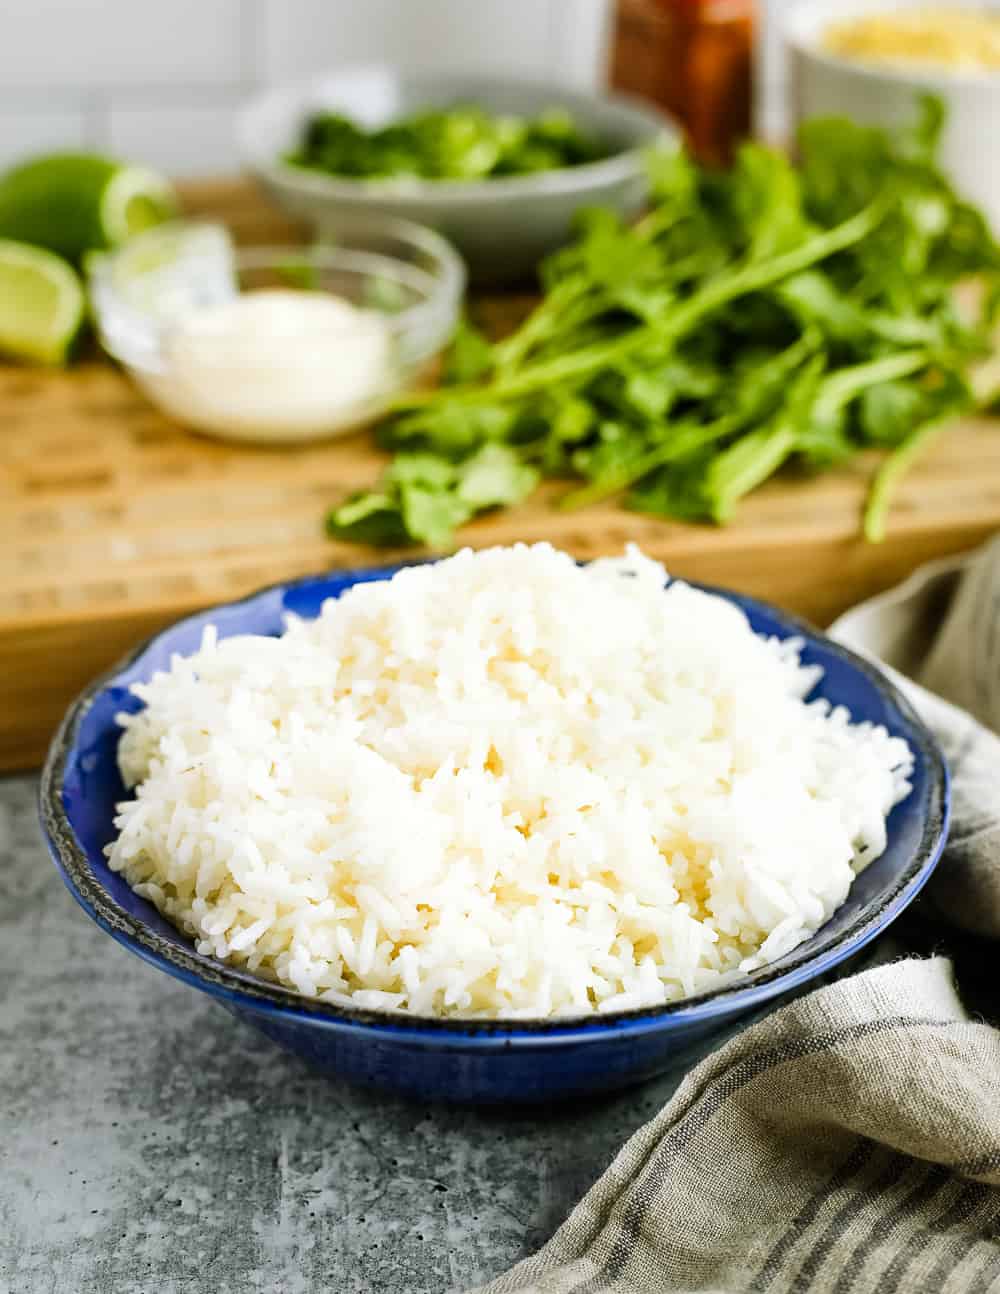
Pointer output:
x,y
544,319
509,352
696,438
891,473
756,457
844,386
897,464
759,454
840,389
668,452
654,223
741,282
762,274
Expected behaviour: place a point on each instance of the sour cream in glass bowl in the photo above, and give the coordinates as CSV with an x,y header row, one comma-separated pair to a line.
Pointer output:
x,y
277,344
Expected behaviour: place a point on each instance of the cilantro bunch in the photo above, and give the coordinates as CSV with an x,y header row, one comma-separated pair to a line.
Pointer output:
x,y
775,314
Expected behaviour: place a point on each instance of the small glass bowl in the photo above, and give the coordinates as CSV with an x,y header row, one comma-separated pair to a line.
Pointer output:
x,y
403,275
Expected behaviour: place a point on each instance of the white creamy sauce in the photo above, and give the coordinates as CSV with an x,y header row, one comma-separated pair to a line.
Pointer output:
x,y
276,364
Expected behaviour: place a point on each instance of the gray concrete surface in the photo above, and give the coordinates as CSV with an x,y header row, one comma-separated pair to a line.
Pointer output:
x,y
150,1144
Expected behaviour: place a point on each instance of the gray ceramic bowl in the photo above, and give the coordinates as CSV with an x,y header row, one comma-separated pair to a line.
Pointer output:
x,y
502,227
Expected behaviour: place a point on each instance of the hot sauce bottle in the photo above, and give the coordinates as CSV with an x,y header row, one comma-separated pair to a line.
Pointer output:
x,y
695,59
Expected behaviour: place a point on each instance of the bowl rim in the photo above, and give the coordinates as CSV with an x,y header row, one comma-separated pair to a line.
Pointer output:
x,y
804,22
449,272
619,166
436,314
248,993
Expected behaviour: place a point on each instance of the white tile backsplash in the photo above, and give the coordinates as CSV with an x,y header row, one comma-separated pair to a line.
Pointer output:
x,y
94,44
182,139
772,116
159,80
301,38
581,35
24,131
305,37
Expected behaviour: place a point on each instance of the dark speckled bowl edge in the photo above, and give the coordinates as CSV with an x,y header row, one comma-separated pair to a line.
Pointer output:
x,y
248,992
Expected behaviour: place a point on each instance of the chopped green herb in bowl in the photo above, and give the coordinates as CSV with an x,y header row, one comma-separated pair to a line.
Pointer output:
x,y
502,179
461,143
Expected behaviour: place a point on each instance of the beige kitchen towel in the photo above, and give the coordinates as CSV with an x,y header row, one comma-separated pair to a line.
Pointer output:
x,y
942,629
849,1142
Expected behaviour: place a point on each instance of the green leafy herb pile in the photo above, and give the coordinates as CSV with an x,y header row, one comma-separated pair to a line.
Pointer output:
x,y
768,315
460,143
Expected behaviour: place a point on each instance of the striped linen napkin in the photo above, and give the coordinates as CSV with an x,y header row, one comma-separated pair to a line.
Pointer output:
x,y
850,1142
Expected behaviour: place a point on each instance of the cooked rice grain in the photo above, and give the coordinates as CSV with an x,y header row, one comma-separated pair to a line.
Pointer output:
x,y
502,785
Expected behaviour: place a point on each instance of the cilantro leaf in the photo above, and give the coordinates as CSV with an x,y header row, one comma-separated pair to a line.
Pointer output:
x,y
369,518
890,411
494,477
470,355
432,516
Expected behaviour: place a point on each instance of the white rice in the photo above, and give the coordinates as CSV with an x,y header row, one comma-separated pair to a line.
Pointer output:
x,y
501,786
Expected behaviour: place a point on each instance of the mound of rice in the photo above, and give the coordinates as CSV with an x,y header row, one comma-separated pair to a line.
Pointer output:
x,y
501,786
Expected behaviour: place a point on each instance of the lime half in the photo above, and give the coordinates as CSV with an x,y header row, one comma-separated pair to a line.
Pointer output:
x,y
74,202
133,200
41,303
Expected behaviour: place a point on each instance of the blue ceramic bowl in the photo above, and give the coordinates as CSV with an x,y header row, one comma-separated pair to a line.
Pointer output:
x,y
449,1059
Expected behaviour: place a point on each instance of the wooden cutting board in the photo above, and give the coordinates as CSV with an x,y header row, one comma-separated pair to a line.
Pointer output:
x,y
114,521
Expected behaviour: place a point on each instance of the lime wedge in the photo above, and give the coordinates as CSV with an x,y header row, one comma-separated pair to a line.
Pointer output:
x,y
41,303
74,202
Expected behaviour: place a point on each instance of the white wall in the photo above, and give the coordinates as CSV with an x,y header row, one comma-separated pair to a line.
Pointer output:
x,y
771,109
159,80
